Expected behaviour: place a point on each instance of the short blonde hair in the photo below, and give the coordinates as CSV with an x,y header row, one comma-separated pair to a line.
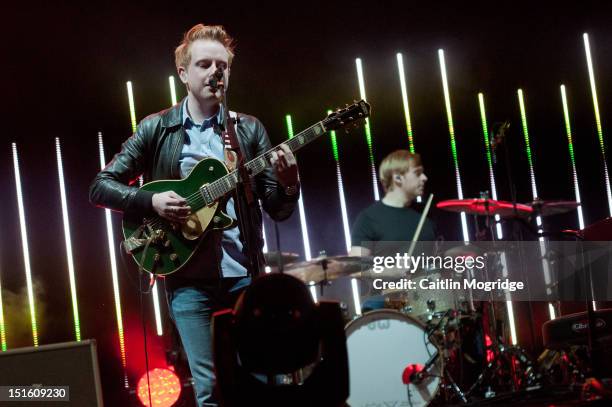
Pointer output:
x,y
398,162
182,53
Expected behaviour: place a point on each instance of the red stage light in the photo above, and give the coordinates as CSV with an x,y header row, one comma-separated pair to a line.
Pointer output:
x,y
165,388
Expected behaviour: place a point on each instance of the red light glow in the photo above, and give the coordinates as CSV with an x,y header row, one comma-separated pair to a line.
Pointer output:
x,y
165,388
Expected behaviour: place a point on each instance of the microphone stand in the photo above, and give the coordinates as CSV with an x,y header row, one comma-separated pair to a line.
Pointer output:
x,y
244,194
517,232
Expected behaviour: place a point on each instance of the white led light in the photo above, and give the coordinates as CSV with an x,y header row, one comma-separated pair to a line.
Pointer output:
x,y
356,300
172,90
451,131
368,134
114,274
68,240
24,245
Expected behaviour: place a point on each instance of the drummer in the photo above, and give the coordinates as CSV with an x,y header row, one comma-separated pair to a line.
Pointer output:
x,y
392,219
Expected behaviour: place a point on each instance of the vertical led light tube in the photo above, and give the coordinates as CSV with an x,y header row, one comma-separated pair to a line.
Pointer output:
x,y
368,133
602,146
24,245
303,223
68,240
3,345
313,291
267,268
487,143
172,90
131,104
534,189
343,211
500,235
114,276
356,300
451,131
154,289
570,145
132,115
404,89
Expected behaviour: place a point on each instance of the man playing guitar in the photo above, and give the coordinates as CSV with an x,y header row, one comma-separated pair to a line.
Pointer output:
x,y
168,145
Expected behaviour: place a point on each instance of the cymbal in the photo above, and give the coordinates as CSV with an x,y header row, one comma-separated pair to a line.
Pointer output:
x,y
286,258
485,207
550,208
328,268
464,251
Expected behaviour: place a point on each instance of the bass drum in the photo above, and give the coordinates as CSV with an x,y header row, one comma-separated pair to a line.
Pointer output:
x,y
381,345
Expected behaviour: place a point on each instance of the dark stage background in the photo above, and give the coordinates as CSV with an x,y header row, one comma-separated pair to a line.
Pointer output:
x,y
65,69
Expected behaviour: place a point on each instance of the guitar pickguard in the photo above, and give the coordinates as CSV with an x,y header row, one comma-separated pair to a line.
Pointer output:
x,y
197,222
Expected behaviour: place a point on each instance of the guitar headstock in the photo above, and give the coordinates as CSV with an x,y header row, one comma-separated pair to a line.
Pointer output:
x,y
350,114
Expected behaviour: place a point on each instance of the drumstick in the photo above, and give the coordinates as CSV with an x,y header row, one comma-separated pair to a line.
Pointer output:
x,y
417,232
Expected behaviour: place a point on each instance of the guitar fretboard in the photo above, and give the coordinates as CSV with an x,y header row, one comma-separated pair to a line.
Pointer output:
x,y
227,183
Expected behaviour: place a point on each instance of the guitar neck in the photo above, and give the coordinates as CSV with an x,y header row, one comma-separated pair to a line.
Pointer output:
x,y
255,166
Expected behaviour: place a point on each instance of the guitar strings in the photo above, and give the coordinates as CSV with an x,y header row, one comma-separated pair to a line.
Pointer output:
x,y
217,187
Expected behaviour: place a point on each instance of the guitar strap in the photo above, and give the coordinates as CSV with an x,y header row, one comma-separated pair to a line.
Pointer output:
x,y
231,148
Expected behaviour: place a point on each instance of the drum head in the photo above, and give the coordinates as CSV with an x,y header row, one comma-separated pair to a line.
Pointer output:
x,y
381,345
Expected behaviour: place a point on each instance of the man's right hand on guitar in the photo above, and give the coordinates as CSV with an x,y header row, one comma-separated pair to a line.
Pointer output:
x,y
169,205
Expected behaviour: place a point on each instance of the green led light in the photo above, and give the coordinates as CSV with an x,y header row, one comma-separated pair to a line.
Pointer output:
x,y
2,327
587,48
527,143
449,117
368,133
570,146
334,142
402,76
485,129
451,132
568,128
289,126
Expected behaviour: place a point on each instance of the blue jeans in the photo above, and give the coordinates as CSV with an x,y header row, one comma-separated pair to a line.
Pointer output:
x,y
191,308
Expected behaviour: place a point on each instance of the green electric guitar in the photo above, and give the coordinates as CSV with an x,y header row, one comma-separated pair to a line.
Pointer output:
x,y
162,247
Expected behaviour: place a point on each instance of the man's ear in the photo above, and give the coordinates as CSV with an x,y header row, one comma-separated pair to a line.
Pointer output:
x,y
182,74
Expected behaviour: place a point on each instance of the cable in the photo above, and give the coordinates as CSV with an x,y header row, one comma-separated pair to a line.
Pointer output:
x,y
144,335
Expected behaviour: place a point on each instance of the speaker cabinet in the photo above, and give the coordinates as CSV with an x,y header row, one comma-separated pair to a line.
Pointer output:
x,y
72,364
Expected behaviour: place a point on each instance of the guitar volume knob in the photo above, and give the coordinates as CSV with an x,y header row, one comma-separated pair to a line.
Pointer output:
x,y
174,257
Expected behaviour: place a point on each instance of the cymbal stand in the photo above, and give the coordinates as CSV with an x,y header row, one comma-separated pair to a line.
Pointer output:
x,y
441,328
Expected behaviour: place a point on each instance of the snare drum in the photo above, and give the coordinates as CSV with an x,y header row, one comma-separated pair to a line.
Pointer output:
x,y
381,345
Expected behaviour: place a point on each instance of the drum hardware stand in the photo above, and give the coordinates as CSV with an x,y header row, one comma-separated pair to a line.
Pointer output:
x,y
452,385
324,262
280,264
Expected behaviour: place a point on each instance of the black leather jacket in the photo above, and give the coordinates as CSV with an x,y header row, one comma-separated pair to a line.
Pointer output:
x,y
154,152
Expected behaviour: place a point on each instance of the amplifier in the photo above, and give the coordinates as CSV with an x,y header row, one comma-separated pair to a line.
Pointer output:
x,y
73,365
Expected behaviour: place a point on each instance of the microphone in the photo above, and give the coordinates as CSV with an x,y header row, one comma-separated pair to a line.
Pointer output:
x,y
216,78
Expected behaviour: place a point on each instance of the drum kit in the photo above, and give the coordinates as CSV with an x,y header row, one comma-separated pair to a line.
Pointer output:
x,y
426,347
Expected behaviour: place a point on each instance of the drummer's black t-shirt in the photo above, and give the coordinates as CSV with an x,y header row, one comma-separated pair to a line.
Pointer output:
x,y
380,222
